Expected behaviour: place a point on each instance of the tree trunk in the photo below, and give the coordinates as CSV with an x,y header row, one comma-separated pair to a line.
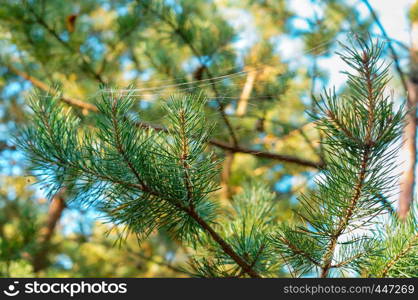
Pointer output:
x,y
246,93
409,151
54,214
226,192
407,181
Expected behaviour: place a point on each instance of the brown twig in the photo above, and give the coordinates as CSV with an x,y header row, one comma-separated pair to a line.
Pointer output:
x,y
268,155
42,86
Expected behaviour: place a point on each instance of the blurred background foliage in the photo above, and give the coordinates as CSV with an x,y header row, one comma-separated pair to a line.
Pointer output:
x,y
233,50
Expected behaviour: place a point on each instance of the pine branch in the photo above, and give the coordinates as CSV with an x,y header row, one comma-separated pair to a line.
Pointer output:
x,y
391,263
361,131
348,261
329,254
120,147
187,127
161,202
225,246
298,251
246,229
399,250
184,156
369,77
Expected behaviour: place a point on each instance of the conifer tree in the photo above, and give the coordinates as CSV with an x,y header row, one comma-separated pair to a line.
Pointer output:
x,y
228,48
149,179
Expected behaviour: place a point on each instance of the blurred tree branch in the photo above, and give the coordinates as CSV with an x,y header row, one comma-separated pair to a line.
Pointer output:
x,y
225,146
189,44
84,59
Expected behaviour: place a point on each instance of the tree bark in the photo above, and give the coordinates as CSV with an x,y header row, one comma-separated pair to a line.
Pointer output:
x,y
54,214
409,151
246,92
226,193
407,180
